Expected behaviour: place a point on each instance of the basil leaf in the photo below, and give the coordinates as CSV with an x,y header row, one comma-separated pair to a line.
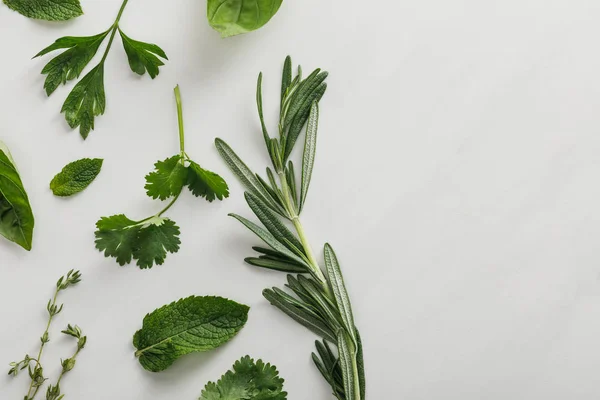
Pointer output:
x,y
193,324
234,17
16,217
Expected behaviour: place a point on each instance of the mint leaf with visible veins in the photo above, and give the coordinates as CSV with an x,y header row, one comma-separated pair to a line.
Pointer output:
x,y
76,176
193,324
247,381
167,179
143,56
49,10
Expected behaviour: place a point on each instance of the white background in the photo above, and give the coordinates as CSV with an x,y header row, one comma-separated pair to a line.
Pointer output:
x,y
456,178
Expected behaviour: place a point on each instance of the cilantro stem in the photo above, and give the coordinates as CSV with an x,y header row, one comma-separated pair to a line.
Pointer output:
x,y
180,120
114,28
169,205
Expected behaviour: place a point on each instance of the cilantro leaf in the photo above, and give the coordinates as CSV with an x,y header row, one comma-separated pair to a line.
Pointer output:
x,y
247,381
205,183
69,64
193,324
86,101
167,179
143,56
146,241
49,10
76,176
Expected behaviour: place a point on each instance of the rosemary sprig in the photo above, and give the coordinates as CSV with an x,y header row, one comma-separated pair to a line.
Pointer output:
x,y
320,300
36,373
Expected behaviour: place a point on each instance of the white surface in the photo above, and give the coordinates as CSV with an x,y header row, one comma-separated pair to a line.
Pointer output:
x,y
456,178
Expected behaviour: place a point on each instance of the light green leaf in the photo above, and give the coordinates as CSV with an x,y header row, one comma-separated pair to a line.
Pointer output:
x,y
310,147
69,64
339,290
143,56
247,381
346,354
86,101
49,10
234,17
167,179
193,324
76,176
16,217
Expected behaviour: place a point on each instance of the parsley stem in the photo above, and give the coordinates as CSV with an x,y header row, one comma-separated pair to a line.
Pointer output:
x,y
180,120
113,32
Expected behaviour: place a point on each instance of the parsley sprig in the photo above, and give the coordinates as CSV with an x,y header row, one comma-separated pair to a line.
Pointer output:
x,y
149,240
87,100
319,298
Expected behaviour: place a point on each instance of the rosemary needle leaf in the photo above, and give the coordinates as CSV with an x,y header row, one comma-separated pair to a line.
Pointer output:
x,y
345,349
339,290
275,265
310,148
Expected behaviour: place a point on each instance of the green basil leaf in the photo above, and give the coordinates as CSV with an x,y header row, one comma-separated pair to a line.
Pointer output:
x,y
234,17
16,217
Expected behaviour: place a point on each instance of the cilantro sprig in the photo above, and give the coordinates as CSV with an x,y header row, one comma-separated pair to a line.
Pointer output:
x,y
87,100
149,240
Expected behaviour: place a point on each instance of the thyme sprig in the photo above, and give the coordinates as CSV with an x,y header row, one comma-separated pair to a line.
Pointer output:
x,y
319,298
36,372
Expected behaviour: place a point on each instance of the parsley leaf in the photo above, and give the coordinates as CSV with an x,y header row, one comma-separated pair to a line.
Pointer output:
x,y
146,241
167,179
206,183
193,324
86,101
143,56
76,176
70,64
247,381
49,10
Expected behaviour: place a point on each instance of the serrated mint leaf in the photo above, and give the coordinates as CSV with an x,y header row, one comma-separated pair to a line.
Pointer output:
x,y
16,217
69,64
234,17
145,241
76,176
49,10
193,324
86,101
247,381
167,179
143,56
205,183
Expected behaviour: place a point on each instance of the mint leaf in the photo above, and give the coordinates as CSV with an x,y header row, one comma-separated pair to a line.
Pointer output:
x,y
143,56
49,10
69,64
247,381
205,183
234,17
76,176
16,217
86,101
193,324
146,241
167,179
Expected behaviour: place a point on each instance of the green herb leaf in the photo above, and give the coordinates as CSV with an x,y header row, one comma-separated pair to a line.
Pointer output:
x,y
167,179
193,324
342,299
69,64
207,184
310,148
234,17
146,241
86,101
49,10
346,351
247,381
143,56
16,217
76,176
